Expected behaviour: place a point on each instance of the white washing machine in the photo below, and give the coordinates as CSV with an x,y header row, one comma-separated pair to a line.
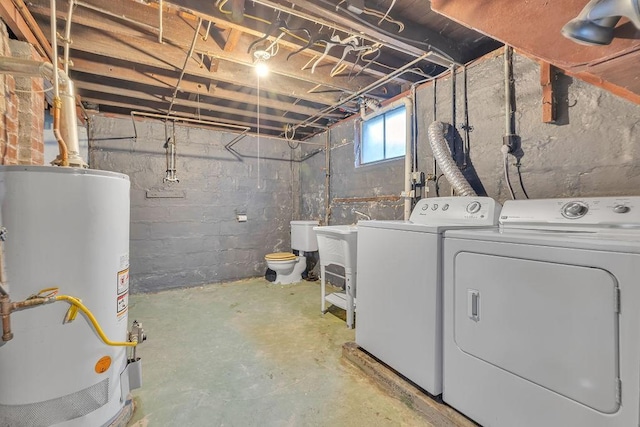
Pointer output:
x,y
542,317
399,301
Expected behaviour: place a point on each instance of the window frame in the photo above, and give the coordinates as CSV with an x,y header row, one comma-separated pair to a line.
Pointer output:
x,y
361,133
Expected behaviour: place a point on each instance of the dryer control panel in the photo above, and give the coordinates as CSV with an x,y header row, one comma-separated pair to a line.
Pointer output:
x,y
613,212
463,210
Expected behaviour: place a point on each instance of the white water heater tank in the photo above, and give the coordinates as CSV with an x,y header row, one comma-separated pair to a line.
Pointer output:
x,y
66,228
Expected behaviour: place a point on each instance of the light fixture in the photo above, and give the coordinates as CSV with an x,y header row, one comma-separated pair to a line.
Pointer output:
x,y
595,23
261,56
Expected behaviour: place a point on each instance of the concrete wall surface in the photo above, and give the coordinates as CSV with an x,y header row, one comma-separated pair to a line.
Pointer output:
x,y
186,233
593,149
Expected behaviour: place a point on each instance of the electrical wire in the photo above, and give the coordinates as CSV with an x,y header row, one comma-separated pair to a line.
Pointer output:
x,y
404,39
506,174
258,128
379,14
287,129
256,18
520,179
437,184
393,2
49,89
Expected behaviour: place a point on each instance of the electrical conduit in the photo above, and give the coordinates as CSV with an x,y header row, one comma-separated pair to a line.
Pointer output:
x,y
448,166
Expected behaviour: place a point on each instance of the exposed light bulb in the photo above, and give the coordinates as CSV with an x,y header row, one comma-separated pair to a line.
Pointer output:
x,y
262,69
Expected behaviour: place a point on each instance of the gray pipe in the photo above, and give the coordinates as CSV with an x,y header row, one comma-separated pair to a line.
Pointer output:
x,y
448,166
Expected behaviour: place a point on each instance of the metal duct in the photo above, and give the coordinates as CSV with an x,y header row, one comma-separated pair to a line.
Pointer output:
x,y
442,154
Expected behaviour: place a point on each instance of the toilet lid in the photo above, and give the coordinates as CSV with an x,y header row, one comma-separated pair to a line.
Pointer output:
x,y
280,256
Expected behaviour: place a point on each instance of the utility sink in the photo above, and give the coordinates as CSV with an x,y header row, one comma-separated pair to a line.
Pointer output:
x,y
338,245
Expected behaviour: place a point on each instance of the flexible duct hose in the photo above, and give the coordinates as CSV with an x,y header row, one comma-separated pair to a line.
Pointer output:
x,y
442,154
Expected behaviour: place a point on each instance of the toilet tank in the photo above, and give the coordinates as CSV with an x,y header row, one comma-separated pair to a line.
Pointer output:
x,y
303,238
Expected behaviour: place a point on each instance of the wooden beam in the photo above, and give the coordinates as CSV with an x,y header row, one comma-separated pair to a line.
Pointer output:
x,y
232,40
178,33
136,96
149,108
608,86
340,17
18,18
150,77
148,53
547,77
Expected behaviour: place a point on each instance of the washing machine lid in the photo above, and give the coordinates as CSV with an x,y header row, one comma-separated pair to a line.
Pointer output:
x,y
433,228
627,241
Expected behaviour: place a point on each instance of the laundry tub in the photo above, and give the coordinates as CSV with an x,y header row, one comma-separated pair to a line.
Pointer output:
x,y
338,245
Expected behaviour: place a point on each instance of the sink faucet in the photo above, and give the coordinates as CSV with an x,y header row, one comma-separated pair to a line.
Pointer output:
x,y
364,215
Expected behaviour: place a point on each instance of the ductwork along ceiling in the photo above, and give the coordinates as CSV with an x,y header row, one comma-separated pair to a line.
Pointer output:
x,y
195,59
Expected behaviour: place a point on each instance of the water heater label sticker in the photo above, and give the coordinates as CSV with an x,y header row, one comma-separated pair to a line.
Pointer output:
x,y
123,303
123,281
124,261
123,292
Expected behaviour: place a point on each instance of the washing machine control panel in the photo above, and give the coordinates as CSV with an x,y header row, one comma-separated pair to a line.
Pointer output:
x,y
474,210
594,211
574,210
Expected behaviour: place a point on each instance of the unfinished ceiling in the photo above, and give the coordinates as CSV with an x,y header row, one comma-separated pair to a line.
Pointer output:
x,y
188,58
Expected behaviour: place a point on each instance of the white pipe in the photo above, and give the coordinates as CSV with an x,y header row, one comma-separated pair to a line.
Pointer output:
x,y
327,178
408,158
67,37
54,47
448,166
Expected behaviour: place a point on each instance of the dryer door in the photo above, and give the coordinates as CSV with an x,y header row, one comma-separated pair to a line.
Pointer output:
x,y
555,325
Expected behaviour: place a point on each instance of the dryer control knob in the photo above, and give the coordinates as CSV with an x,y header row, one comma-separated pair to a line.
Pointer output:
x,y
621,209
574,210
473,207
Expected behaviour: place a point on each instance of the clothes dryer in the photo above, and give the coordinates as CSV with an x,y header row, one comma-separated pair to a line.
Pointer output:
x,y
399,301
542,316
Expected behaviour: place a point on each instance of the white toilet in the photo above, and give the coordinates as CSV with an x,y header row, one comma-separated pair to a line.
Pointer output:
x,y
287,265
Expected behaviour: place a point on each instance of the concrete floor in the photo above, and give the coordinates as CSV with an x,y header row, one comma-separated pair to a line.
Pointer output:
x,y
251,353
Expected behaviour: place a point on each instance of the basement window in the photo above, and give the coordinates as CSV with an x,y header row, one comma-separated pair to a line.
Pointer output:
x,y
383,136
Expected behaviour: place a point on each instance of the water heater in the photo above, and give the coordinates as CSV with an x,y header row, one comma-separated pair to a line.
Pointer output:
x,y
66,228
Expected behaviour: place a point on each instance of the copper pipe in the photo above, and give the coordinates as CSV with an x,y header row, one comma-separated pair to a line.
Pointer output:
x,y
62,146
5,311
15,306
7,307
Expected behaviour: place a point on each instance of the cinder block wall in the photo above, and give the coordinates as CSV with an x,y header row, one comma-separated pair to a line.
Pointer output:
x,y
21,111
592,150
186,233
